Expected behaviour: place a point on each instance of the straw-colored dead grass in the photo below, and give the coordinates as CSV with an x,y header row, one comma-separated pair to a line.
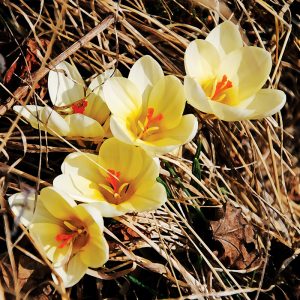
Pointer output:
x,y
190,248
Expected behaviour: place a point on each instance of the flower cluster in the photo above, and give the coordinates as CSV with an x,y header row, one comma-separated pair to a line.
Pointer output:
x,y
144,114
121,179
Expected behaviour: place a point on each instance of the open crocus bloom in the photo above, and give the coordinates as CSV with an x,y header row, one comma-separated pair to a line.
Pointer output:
x,y
147,108
71,235
77,111
225,79
128,185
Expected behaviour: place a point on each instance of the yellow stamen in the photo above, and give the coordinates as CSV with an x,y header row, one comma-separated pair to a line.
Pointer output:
x,y
69,225
148,126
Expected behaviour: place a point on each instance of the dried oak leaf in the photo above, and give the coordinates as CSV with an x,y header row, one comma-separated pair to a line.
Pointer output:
x,y
238,246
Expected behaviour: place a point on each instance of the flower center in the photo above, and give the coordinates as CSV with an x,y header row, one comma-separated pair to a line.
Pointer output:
x,y
79,106
70,234
151,123
221,87
115,192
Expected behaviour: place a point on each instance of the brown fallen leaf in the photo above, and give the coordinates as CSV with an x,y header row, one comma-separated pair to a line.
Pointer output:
x,y
238,246
6,273
31,63
11,70
123,232
24,274
30,274
129,234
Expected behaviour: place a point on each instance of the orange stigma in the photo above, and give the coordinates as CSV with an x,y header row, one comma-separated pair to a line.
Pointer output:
x,y
113,180
152,120
221,86
116,191
64,238
79,106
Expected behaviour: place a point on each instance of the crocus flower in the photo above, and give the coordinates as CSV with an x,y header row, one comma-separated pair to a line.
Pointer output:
x,y
77,110
147,108
126,184
225,79
71,235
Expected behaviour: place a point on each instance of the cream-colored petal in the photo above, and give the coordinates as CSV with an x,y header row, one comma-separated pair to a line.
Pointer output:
x,y
96,85
185,131
106,128
120,130
145,73
170,139
167,98
248,68
92,217
196,96
78,188
65,84
68,184
85,217
230,113
49,119
42,215
29,113
96,252
148,196
158,147
69,70
29,210
57,203
149,170
82,164
45,234
22,205
107,209
81,125
53,122
72,272
225,37
266,103
96,108
60,256
126,159
122,97
201,60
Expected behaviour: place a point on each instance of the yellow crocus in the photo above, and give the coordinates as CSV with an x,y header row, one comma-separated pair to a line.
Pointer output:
x,y
71,235
147,108
77,110
128,185
226,79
